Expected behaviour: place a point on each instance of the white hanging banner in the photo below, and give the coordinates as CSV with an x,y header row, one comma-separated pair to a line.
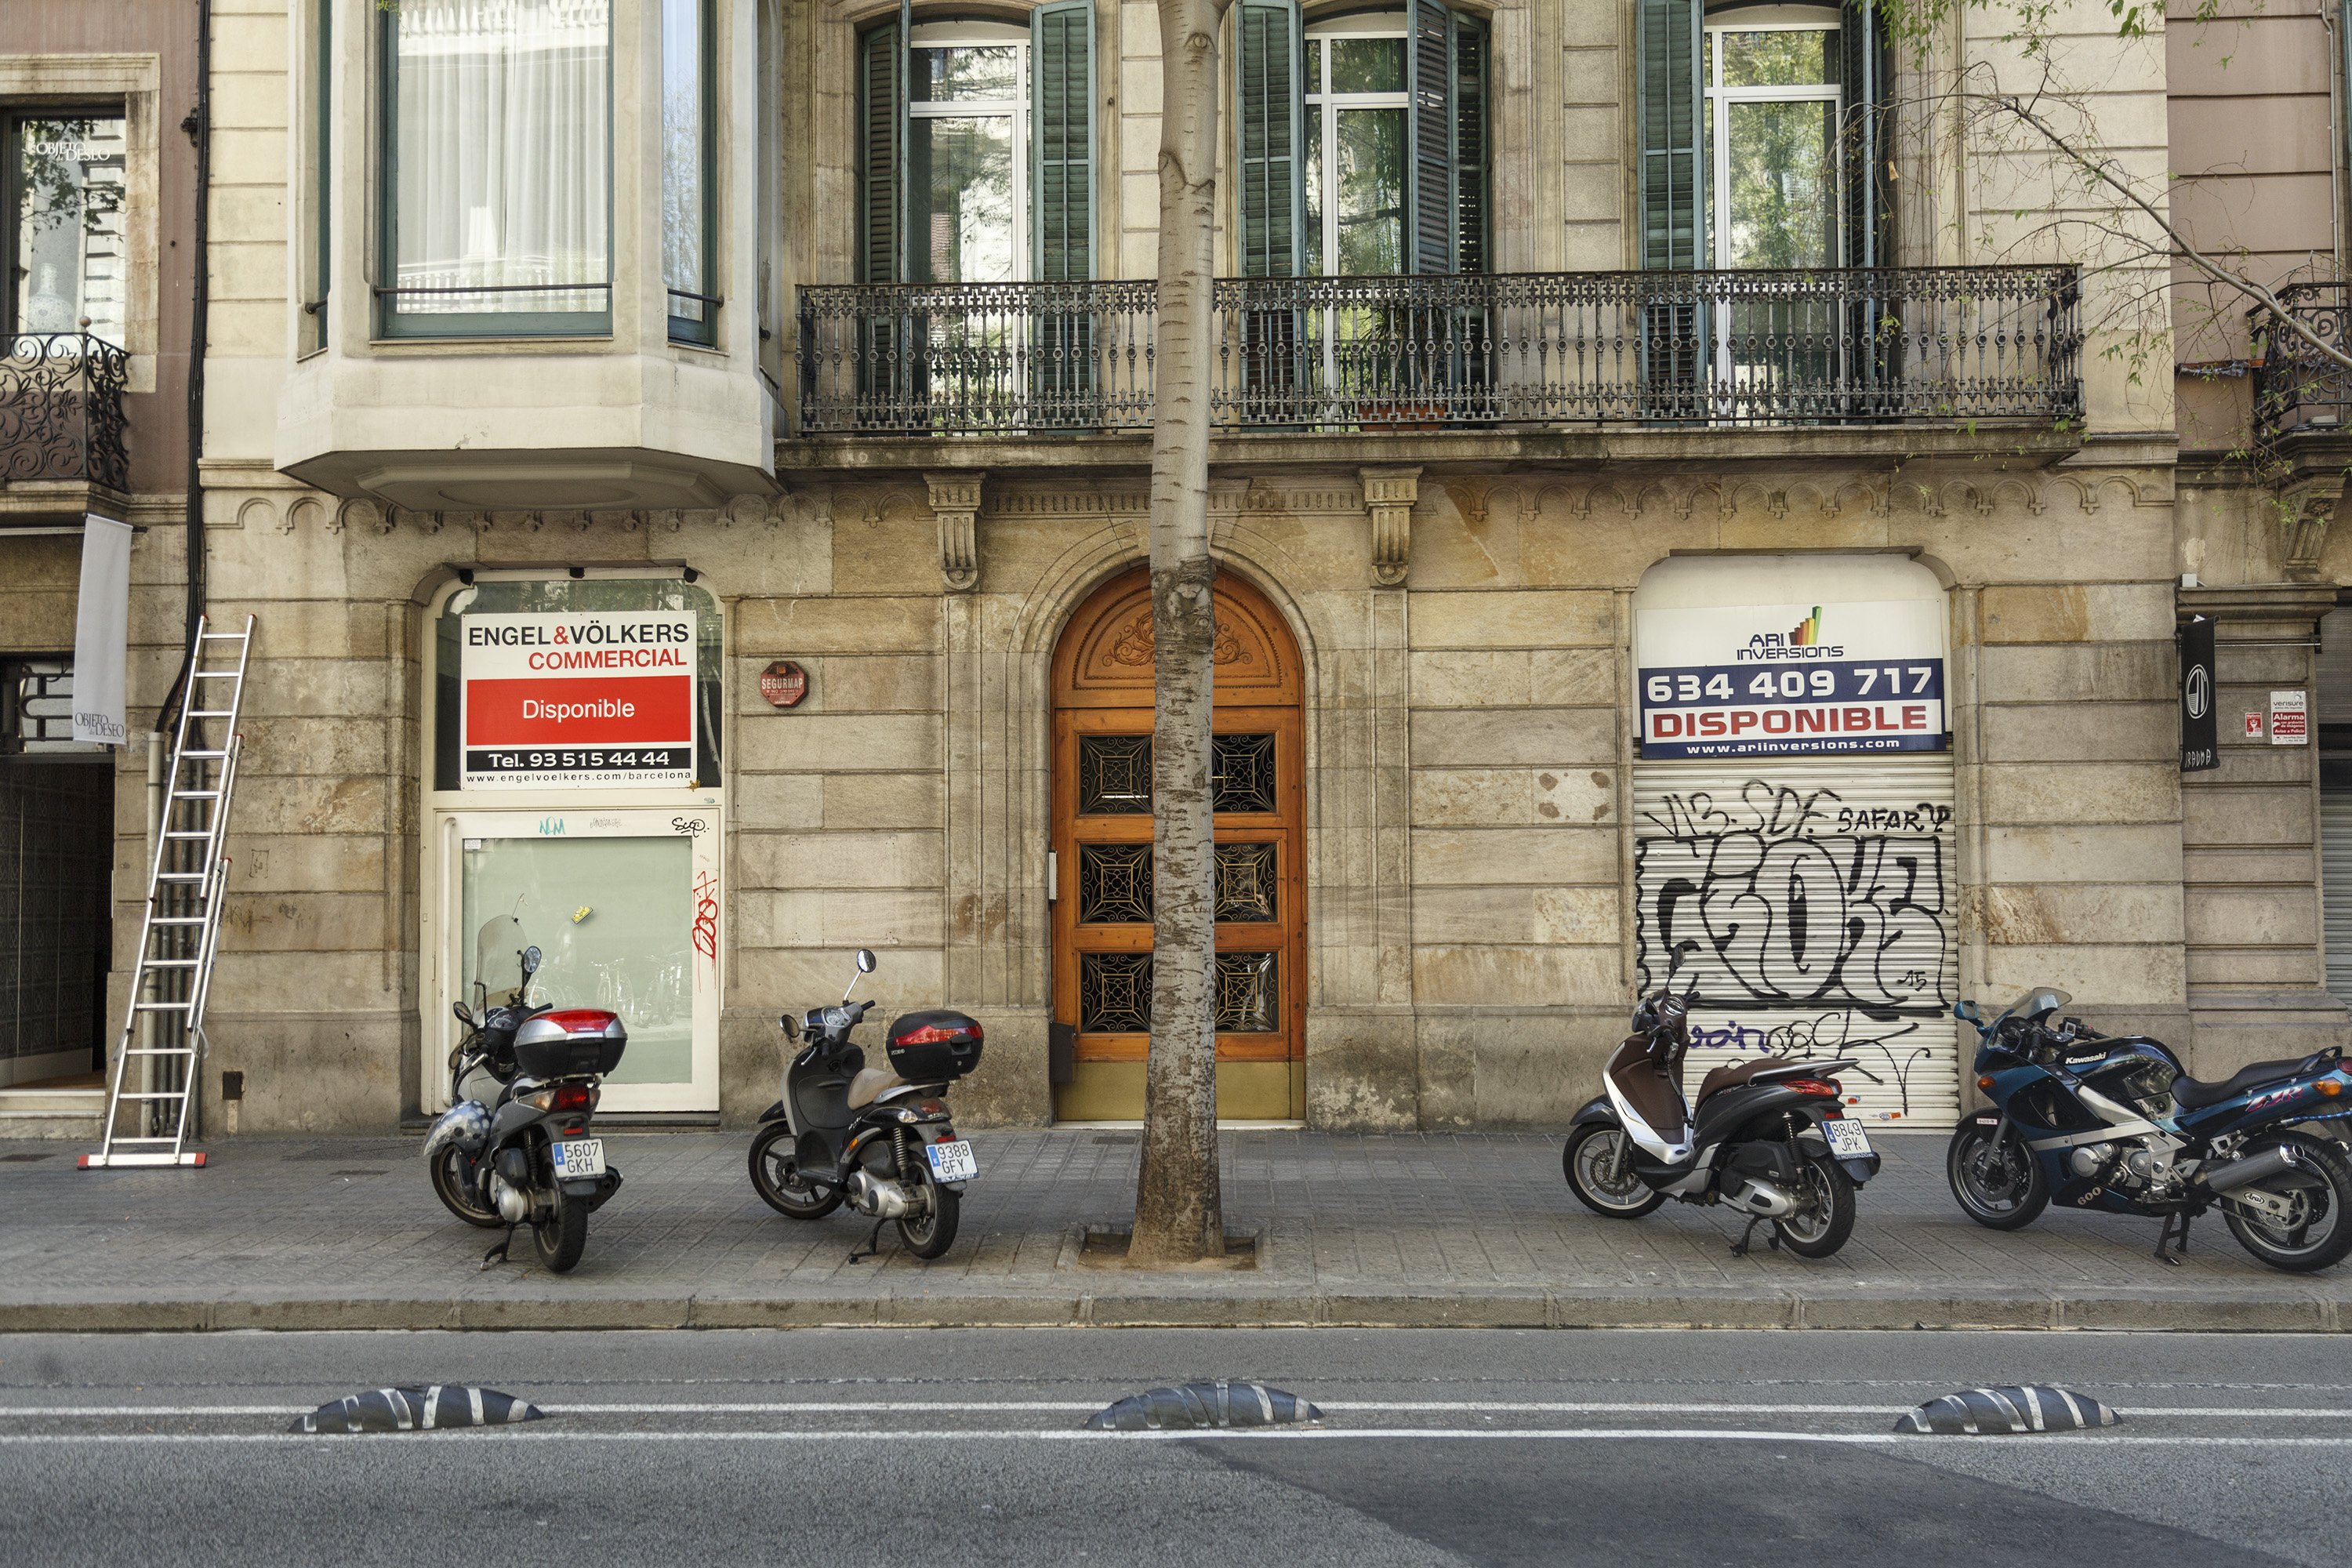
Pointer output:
x,y
102,628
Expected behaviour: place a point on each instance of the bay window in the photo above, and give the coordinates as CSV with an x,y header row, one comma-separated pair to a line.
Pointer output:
x,y
498,211
688,219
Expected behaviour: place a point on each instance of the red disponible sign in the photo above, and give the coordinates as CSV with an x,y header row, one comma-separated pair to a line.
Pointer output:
x,y
592,698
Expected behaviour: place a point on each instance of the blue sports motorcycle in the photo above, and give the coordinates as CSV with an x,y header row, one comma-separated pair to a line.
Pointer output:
x,y
2111,1123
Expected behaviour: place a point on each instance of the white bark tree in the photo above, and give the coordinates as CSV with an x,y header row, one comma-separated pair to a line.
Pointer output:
x,y
1179,1209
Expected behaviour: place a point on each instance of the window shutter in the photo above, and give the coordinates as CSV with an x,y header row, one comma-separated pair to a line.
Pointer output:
x,y
882,88
1062,127
1269,67
1867,135
1669,46
1470,144
1429,71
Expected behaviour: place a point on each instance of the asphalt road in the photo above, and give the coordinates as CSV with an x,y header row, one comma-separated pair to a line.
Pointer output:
x,y
960,1446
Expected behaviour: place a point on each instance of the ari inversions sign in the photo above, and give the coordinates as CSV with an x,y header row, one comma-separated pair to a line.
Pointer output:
x,y
1791,681
581,698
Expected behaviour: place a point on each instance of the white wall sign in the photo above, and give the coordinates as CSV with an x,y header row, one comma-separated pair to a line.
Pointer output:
x,y
101,626
1769,680
2290,719
592,698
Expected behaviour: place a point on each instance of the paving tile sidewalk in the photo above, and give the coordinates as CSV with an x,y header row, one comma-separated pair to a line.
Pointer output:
x,y
1376,1229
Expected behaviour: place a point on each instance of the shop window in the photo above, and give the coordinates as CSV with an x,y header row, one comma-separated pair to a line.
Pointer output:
x,y
574,596
63,174
688,188
498,197
37,708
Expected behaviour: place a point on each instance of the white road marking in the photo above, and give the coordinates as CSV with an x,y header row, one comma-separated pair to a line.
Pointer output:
x,y
1292,1433
979,1407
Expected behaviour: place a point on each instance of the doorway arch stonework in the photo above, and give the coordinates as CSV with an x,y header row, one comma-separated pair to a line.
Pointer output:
x,y
1044,550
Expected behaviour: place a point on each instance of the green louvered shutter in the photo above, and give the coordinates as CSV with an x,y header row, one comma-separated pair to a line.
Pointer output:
x,y
1062,208
1429,76
1268,113
882,89
1470,144
1668,46
1062,127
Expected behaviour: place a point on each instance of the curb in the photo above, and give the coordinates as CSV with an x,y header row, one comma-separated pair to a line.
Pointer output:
x,y
1505,1308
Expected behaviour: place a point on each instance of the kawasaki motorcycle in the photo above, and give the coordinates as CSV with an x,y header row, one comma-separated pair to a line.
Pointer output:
x,y
2109,1123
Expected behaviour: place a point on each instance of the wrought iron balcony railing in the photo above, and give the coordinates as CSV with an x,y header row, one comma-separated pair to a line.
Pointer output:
x,y
1509,352
2296,387
62,409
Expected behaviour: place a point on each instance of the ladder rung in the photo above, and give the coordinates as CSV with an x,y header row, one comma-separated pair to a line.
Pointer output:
x,y
160,1051
177,920
216,674
182,876
169,963
222,637
186,754
210,713
160,1006
177,833
196,795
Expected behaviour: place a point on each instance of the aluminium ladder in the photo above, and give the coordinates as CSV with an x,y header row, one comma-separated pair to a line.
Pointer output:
x,y
180,933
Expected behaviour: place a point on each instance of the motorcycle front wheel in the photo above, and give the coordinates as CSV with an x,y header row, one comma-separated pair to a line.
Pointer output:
x,y
1591,1162
1824,1216
776,1177
2318,1233
451,1172
562,1235
930,1234
2000,1187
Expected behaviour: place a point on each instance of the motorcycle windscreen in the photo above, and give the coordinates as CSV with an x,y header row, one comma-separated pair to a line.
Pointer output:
x,y
614,921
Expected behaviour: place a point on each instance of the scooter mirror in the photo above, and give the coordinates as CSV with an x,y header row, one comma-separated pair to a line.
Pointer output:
x,y
865,960
463,1016
529,961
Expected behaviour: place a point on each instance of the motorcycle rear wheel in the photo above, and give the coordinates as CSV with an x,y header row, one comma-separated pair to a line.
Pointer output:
x,y
2321,1234
776,1177
562,1235
1589,1162
929,1234
1820,1226
2000,1189
449,1178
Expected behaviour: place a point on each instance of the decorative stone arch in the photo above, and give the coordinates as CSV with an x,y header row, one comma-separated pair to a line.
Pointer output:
x,y
1000,649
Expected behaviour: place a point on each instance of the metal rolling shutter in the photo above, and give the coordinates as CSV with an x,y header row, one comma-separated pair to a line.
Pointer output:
x,y
2335,887
1820,893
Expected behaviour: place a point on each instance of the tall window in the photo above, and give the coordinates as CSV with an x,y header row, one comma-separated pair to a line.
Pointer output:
x,y
317,150
1361,142
62,176
497,217
1772,111
687,188
977,161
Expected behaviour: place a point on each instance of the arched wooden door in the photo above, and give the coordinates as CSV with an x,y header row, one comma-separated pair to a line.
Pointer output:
x,y
1102,843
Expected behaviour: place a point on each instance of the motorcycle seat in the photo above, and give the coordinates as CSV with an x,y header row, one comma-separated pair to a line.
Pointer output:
x,y
1732,1075
870,1085
2195,1094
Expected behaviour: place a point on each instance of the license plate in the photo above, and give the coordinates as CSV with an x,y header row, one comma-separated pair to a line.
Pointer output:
x,y
952,1161
1847,1139
579,1158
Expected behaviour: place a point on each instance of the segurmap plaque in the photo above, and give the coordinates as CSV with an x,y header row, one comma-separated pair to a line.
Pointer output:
x,y
588,700
1790,680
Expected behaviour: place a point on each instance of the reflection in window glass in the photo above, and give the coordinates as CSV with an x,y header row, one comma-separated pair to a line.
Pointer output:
x,y
614,921
1355,166
1367,65
1313,191
686,168
966,75
70,263
502,118
1780,58
961,169
1781,159
1369,155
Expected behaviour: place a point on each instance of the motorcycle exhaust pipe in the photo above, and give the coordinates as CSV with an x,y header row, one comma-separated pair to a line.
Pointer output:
x,y
2273,1162
1762,1198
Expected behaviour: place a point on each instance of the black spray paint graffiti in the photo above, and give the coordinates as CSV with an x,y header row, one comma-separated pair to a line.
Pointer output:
x,y
1786,901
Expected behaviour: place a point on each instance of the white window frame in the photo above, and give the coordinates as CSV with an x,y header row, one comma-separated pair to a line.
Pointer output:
x,y
981,35
1719,100
1359,24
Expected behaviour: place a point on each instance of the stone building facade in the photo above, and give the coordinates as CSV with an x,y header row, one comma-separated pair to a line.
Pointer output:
x,y
1455,478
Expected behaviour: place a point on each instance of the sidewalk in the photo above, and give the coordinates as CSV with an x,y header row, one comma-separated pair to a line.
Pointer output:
x,y
1405,1229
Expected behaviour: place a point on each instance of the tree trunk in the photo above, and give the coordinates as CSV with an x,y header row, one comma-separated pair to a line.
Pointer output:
x,y
1179,1211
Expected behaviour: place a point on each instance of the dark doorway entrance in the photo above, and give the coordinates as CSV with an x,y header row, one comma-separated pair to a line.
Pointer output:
x,y
57,861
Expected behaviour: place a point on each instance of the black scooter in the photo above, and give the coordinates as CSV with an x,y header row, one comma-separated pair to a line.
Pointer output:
x,y
883,1139
1770,1137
